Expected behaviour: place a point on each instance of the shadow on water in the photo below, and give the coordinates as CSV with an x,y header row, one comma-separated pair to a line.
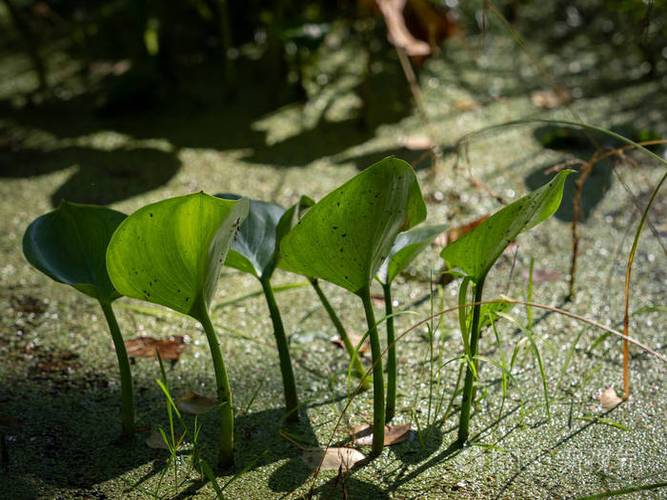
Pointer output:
x,y
101,176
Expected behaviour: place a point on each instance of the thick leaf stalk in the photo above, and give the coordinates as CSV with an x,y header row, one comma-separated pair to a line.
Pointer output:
x,y
378,378
289,386
126,391
355,360
469,383
391,354
224,390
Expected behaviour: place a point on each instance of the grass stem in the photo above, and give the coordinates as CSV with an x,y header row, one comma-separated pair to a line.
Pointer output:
x,y
391,354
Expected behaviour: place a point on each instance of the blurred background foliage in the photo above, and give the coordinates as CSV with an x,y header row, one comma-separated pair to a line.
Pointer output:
x,y
133,54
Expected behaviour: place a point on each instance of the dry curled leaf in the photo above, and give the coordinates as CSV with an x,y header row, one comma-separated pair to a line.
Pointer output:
x,y
551,98
466,104
609,399
144,347
455,233
195,404
332,458
393,434
398,33
416,142
354,338
155,441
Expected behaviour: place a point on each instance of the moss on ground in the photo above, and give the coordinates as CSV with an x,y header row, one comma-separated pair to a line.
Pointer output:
x,y
58,374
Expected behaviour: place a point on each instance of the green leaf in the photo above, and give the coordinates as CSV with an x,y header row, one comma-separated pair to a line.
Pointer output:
x,y
345,236
476,252
253,250
69,245
170,252
405,249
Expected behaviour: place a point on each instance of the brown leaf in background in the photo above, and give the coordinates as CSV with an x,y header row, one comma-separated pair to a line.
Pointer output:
x,y
195,404
466,104
144,347
455,233
354,338
544,275
397,31
332,458
609,399
551,98
393,434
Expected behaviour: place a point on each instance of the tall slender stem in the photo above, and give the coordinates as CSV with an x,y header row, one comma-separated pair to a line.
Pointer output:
x,y
355,360
126,393
226,438
378,378
391,354
469,384
289,386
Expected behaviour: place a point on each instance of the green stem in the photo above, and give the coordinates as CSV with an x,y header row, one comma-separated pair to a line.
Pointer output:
x,y
469,384
378,378
226,438
391,354
127,397
355,360
289,386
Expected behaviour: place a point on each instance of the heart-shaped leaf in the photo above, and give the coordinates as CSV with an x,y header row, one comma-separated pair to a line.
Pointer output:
x,y
477,251
405,249
170,252
345,236
253,250
69,245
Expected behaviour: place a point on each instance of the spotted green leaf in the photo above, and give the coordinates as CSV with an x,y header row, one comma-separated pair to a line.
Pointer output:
x,y
345,237
170,252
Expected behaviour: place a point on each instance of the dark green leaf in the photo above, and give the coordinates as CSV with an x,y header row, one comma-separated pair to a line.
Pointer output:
x,y
477,251
69,245
345,237
170,252
405,249
253,250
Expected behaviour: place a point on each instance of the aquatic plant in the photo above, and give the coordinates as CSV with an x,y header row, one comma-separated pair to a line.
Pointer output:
x,y
69,245
475,253
345,237
170,253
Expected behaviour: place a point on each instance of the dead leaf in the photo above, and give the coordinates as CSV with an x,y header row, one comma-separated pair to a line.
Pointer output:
x,y
398,33
155,441
455,233
551,98
393,434
609,399
466,104
416,142
332,458
355,339
378,299
144,347
195,404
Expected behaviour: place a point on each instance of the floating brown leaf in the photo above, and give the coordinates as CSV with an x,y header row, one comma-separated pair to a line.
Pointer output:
x,y
609,399
393,434
355,339
195,404
466,104
144,347
332,458
456,232
416,142
398,33
378,299
155,441
552,98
